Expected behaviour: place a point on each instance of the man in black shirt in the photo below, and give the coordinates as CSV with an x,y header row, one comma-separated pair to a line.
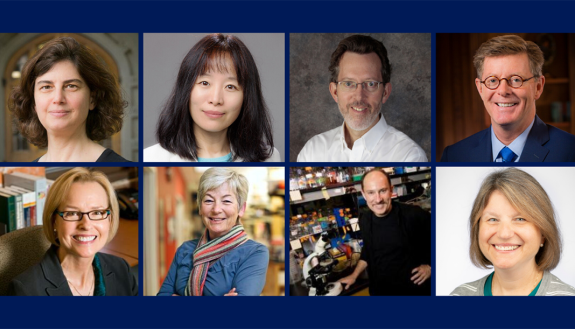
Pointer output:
x,y
396,242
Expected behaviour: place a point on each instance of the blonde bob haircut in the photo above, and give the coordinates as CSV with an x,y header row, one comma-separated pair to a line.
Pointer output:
x,y
59,192
530,199
216,177
509,45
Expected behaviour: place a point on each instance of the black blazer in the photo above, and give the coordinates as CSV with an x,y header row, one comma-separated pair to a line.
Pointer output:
x,y
544,143
47,278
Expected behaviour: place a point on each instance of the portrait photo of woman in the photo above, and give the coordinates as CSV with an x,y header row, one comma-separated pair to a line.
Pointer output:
x,y
68,101
223,261
515,217
81,216
218,108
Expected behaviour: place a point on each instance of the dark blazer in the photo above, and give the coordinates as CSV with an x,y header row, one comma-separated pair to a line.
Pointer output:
x,y
544,143
47,278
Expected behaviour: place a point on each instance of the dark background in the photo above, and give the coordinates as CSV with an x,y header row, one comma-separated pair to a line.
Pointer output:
x,y
288,17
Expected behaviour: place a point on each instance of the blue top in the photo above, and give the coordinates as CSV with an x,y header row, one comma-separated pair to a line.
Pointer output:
x,y
225,158
516,146
243,268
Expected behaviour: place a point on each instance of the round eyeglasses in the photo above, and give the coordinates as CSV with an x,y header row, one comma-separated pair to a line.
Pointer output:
x,y
76,216
514,81
371,86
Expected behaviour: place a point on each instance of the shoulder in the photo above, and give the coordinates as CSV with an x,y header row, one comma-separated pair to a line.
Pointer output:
x,y
557,135
187,248
318,144
555,287
474,288
460,150
110,156
410,150
275,157
156,153
112,262
253,252
413,212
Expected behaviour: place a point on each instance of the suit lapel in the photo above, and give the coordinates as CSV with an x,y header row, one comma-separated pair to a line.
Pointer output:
x,y
482,150
56,281
109,278
534,151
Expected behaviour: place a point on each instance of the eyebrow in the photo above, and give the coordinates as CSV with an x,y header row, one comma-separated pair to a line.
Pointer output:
x,y
78,81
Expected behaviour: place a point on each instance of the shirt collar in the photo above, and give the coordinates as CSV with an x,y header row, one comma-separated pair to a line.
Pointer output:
x,y
516,146
370,138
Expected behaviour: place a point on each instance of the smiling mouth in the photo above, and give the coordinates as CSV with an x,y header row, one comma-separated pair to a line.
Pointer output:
x,y
358,109
217,220
505,248
84,238
506,104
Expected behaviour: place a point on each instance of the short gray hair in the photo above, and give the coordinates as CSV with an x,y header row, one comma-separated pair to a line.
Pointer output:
x,y
216,177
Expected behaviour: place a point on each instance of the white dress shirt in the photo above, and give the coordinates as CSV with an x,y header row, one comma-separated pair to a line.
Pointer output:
x,y
156,153
382,143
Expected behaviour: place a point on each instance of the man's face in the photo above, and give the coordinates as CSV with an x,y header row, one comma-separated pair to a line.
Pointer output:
x,y
510,108
377,193
359,108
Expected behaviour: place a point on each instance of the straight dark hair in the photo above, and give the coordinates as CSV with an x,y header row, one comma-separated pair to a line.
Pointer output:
x,y
250,135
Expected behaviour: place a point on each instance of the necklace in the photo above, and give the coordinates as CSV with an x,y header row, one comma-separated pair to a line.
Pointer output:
x,y
78,291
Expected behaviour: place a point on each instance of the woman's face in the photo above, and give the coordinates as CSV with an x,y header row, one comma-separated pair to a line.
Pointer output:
x,y
220,210
84,238
506,237
62,99
216,99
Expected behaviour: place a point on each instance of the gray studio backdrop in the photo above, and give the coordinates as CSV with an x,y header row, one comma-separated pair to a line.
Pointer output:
x,y
164,52
313,110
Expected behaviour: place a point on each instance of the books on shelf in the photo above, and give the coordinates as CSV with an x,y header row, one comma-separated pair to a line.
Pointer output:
x,y
34,183
8,212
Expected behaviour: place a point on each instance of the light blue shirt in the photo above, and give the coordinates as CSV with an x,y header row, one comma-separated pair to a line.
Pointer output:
x,y
516,146
225,158
243,268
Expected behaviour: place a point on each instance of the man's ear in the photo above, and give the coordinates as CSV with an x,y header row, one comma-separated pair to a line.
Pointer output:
x,y
333,91
479,86
539,84
386,92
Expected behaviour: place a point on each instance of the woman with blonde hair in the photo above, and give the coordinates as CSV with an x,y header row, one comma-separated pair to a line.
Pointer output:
x,y
81,216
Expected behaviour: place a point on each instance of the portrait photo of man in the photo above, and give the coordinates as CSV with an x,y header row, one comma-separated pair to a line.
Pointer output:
x,y
381,85
523,112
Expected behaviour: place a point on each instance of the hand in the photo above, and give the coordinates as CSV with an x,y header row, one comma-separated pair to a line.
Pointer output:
x,y
175,295
347,281
422,273
232,292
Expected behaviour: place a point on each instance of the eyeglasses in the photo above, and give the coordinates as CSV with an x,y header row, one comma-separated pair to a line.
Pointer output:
x,y
76,216
371,86
515,81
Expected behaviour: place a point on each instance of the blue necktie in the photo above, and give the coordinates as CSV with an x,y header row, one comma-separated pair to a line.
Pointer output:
x,y
507,155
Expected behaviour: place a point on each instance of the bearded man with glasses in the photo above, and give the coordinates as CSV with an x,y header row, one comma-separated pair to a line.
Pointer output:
x,y
509,81
360,85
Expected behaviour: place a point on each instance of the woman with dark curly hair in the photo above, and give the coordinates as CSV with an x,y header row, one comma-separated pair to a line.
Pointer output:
x,y
216,112
67,101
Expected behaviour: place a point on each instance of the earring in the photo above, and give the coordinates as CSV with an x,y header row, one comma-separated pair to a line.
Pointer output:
x,y
542,245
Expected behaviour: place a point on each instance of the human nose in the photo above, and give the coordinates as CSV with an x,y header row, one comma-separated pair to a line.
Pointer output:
x,y
85,222
505,231
378,197
216,96
504,88
58,96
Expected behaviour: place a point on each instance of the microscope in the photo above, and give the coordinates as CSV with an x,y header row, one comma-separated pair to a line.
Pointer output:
x,y
316,268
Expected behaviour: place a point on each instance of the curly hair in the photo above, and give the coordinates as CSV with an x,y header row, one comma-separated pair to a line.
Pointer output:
x,y
250,135
103,121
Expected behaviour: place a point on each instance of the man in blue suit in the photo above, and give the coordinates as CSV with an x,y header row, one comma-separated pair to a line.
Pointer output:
x,y
510,80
